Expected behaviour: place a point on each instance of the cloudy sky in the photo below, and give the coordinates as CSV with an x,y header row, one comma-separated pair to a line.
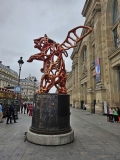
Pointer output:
x,y
21,21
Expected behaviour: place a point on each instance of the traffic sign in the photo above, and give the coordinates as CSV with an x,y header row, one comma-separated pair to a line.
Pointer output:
x,y
17,89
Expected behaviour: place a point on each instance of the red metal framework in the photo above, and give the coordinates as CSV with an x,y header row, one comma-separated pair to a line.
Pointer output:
x,y
51,53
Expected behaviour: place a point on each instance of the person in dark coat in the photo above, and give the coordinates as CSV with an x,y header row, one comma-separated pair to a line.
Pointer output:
x,y
8,114
12,110
118,111
25,106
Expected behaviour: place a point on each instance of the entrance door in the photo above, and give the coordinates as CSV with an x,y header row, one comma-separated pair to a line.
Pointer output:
x,y
82,102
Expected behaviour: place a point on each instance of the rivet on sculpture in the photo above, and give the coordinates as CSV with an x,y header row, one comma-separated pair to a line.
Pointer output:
x,y
51,53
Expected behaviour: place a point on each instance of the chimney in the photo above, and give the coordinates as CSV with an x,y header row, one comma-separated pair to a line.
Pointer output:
x,y
8,66
0,62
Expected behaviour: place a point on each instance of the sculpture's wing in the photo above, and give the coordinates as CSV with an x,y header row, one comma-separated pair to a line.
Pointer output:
x,y
71,42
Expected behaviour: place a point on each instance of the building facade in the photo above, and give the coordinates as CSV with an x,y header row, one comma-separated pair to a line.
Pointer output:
x,y
8,77
29,86
95,75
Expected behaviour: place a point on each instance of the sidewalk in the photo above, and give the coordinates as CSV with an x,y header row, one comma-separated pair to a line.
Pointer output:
x,y
95,139
98,120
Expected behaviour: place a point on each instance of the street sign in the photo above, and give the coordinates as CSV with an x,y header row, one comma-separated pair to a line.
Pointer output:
x,y
17,89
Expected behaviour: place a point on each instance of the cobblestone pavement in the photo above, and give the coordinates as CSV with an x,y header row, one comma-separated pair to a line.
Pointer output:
x,y
95,139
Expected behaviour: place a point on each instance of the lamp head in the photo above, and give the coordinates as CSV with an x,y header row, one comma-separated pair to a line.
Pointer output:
x,y
20,61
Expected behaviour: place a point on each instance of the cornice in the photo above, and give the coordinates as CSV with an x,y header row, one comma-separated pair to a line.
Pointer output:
x,y
96,8
114,53
84,79
85,8
83,76
69,89
100,86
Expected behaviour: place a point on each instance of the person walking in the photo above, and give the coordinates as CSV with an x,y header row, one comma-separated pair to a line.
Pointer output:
x,y
118,111
111,114
115,114
30,109
8,114
22,108
25,106
12,110
1,113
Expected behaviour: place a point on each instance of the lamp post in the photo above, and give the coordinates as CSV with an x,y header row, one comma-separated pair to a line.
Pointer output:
x,y
17,106
34,85
34,90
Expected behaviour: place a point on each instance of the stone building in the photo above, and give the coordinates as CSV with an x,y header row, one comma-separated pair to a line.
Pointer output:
x,y
103,44
29,86
8,77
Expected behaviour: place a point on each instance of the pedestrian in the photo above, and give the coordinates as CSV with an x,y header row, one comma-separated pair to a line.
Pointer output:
x,y
25,106
30,109
12,109
8,114
22,108
1,113
115,114
111,114
118,111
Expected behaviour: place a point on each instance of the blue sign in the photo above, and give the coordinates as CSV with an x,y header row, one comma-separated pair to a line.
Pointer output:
x,y
17,89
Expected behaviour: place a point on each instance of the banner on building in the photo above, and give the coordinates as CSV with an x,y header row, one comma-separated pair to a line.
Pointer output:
x,y
97,69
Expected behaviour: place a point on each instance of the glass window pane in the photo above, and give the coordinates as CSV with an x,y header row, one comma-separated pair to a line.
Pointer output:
x,y
115,12
115,37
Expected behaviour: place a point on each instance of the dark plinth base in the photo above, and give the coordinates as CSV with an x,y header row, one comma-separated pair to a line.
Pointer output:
x,y
51,118
51,114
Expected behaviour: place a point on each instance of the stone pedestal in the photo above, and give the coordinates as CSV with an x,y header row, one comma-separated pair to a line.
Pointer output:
x,y
51,120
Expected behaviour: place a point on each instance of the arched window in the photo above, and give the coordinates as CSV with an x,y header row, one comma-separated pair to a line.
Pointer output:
x,y
115,20
84,53
115,12
115,37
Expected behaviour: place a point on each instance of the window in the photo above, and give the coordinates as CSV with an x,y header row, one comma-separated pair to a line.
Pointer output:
x,y
84,53
115,37
115,12
115,22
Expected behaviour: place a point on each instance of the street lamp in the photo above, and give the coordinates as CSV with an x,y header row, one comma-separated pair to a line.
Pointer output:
x,y
34,91
17,106
34,85
20,61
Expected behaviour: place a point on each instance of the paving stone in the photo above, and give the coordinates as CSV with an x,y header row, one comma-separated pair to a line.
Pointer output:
x,y
95,139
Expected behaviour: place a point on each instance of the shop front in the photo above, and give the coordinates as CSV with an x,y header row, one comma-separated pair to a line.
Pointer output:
x,y
7,97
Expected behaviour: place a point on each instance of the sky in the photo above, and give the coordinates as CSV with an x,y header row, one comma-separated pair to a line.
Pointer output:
x,y
21,21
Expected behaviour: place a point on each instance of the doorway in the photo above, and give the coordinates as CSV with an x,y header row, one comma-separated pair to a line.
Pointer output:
x,y
82,102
